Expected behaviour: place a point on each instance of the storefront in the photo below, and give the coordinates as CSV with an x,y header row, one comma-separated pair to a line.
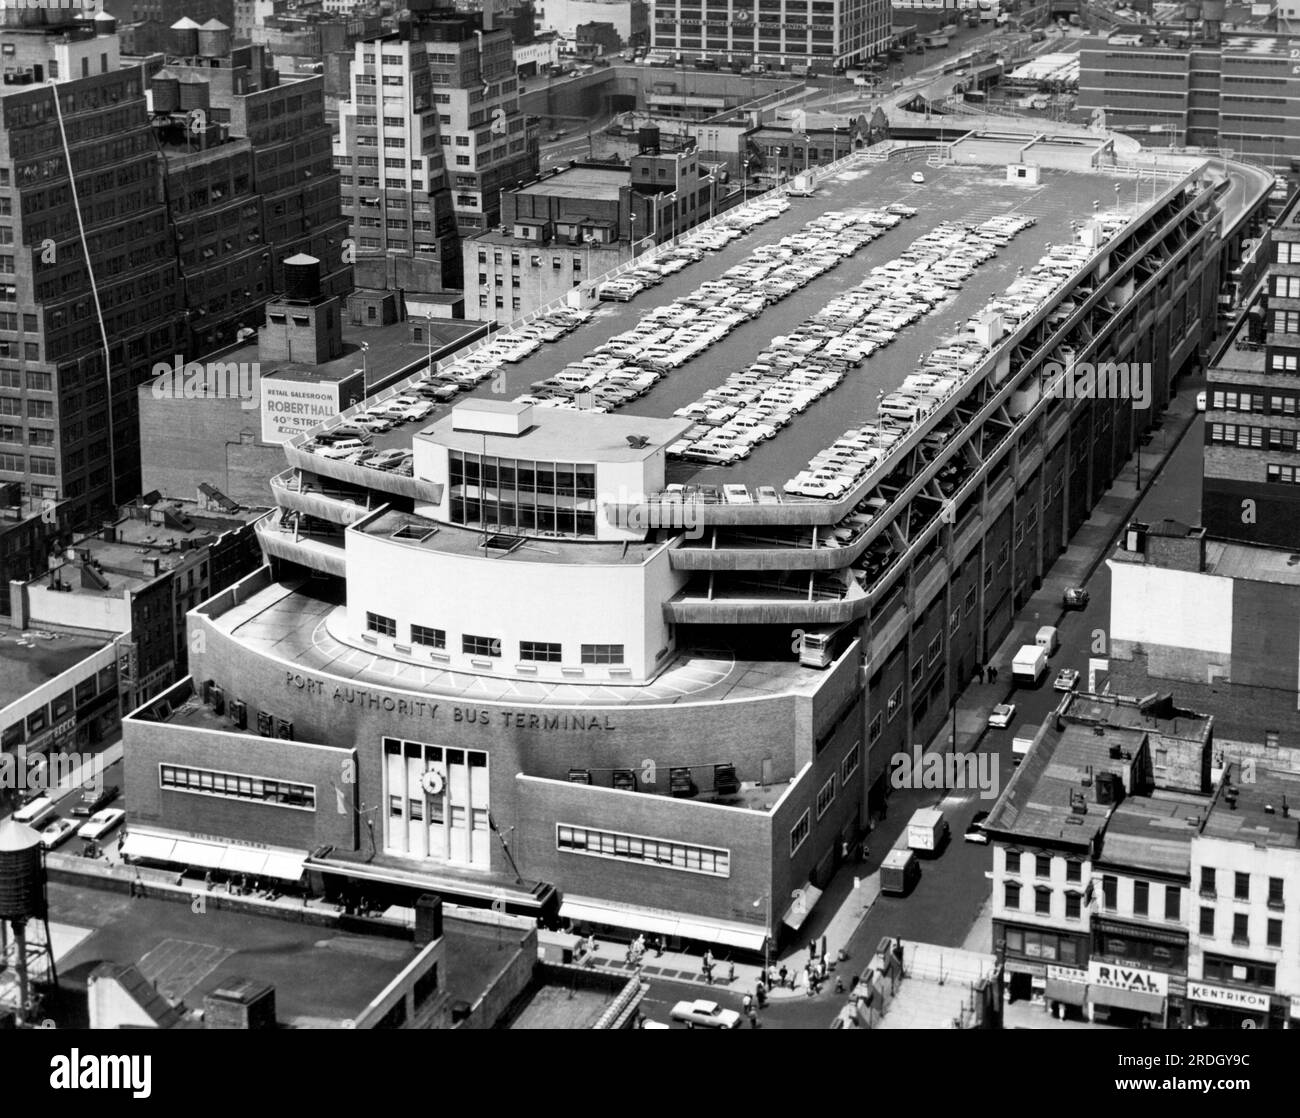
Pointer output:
x,y
1222,1007
1123,995
1066,992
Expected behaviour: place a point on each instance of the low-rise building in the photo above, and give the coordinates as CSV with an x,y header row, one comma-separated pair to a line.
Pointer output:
x,y
138,577
579,222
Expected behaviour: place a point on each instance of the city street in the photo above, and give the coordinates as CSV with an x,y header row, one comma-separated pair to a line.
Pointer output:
x,y
953,887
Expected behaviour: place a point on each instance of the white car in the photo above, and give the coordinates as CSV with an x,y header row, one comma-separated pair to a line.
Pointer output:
x,y
56,832
703,1014
101,823
918,177
342,449
1067,679
1200,400
1001,715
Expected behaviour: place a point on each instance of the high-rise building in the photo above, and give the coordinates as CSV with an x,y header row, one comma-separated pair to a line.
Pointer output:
x,y
89,281
487,142
1252,430
821,33
1169,86
389,152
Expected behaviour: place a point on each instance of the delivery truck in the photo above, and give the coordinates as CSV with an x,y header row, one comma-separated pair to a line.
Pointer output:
x,y
899,872
927,831
1029,665
1022,742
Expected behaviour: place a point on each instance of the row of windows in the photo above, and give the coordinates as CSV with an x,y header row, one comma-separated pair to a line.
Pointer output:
x,y
1016,862
1254,437
1141,897
1011,891
1241,928
713,861
238,787
1254,402
1241,886
1282,475
548,652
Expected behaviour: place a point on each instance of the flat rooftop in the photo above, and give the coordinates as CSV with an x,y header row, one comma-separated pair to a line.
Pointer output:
x,y
1155,832
559,434
1128,714
448,539
1264,811
31,657
596,184
288,622
185,957
1037,801
958,193
1225,559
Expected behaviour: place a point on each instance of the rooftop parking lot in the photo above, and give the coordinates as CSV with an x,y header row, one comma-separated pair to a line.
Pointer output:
x,y
949,194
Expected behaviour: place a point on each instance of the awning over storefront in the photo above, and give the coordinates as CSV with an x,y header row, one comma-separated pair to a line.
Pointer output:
x,y
283,865
587,910
1071,993
154,848
1127,999
798,911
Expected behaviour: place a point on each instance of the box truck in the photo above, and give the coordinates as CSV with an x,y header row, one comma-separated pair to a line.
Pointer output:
x,y
1029,664
899,872
1022,742
927,831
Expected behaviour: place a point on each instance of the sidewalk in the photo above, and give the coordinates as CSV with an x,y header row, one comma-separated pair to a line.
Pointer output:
x,y
1073,567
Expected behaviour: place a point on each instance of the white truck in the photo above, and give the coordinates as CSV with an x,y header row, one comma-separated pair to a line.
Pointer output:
x,y
927,831
1029,665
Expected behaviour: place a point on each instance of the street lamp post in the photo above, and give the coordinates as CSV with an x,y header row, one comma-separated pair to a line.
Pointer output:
x,y
365,371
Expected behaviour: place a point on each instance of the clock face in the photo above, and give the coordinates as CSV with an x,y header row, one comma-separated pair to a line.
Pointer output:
x,y
432,782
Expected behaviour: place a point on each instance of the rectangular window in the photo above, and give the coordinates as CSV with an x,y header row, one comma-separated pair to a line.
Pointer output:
x,y
384,626
235,786
539,651
1073,869
471,645
602,653
877,727
1241,886
1275,892
1042,865
826,796
1274,932
799,833
1207,921
851,761
1241,928
1042,900
1013,861
1011,894
664,853
1073,906
895,702
1173,902
1110,892
1209,886
430,638
1141,897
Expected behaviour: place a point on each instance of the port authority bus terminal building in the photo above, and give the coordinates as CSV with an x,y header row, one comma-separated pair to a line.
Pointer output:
x,y
600,713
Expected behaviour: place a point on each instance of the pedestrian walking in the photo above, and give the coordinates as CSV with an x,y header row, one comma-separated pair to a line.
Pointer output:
x,y
731,972
782,973
839,984
979,672
748,1004
753,1019
993,674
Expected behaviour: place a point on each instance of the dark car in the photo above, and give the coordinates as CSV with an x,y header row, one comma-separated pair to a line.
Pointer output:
x,y
1076,597
91,801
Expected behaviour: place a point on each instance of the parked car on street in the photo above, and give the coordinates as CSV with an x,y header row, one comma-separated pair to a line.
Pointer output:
x,y
1001,715
704,1014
